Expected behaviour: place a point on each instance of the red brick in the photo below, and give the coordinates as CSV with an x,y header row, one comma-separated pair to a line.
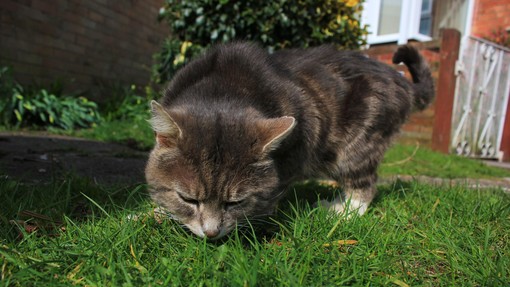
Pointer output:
x,y
80,40
44,6
489,15
29,58
96,17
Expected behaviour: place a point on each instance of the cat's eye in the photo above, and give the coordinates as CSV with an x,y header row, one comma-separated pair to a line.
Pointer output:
x,y
233,204
188,199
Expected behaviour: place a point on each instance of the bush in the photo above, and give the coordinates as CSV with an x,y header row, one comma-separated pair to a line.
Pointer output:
x,y
127,103
499,36
38,107
196,24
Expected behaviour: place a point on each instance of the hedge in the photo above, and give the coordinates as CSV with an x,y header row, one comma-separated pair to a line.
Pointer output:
x,y
277,24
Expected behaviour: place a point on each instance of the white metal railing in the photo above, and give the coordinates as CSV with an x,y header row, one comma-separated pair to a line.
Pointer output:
x,y
481,99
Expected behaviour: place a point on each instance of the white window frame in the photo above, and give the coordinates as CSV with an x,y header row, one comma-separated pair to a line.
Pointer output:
x,y
409,23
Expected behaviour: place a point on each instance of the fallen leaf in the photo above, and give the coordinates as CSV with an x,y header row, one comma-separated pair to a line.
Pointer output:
x,y
435,205
341,242
399,282
35,222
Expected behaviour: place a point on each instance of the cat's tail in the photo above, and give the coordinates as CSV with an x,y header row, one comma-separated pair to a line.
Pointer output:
x,y
420,72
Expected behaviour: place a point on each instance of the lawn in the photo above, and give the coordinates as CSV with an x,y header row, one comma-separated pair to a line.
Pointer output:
x,y
414,234
417,160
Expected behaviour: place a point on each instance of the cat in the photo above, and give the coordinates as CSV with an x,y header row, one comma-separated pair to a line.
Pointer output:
x,y
237,125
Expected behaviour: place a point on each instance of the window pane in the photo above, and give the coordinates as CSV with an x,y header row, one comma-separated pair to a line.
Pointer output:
x,y
426,17
426,6
450,14
425,23
389,21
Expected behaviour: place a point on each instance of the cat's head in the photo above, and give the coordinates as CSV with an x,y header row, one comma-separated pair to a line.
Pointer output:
x,y
214,172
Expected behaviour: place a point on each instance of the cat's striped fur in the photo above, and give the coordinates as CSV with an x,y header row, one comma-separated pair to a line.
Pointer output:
x,y
238,125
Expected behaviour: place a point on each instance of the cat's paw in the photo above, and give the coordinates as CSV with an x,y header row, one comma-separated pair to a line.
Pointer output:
x,y
342,207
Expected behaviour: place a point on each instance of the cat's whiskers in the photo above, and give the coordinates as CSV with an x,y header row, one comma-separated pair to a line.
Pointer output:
x,y
276,196
260,219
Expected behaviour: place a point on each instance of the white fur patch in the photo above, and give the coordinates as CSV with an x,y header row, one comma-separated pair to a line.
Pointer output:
x,y
339,206
195,227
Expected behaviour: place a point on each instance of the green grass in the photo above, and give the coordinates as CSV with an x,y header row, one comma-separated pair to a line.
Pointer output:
x,y
413,234
136,133
412,160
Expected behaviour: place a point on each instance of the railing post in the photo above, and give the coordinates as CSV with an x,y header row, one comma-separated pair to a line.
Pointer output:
x,y
505,140
445,90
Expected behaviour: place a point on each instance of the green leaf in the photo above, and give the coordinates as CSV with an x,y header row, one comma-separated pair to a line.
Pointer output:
x,y
18,115
42,116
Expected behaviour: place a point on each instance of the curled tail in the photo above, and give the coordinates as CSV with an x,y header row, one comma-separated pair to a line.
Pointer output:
x,y
420,72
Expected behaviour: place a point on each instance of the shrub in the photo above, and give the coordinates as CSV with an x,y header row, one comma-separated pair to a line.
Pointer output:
x,y
196,24
127,103
500,36
20,107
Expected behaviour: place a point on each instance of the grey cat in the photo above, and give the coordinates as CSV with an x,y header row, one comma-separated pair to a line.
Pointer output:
x,y
238,125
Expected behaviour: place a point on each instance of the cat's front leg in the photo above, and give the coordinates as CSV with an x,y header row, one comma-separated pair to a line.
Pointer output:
x,y
357,195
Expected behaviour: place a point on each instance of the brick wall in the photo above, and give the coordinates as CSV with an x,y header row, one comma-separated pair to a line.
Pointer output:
x,y
490,15
85,43
419,127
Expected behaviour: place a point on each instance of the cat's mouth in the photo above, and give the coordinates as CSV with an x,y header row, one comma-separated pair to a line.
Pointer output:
x,y
258,222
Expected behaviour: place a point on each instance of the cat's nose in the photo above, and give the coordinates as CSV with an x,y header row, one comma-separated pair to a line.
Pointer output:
x,y
211,233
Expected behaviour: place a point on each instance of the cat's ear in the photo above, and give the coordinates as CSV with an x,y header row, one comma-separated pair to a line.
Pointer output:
x,y
274,131
166,129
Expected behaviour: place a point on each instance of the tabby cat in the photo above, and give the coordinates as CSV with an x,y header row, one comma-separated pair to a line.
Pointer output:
x,y
238,125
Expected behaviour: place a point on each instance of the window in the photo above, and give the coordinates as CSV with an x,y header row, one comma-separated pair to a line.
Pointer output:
x,y
389,19
397,20
452,14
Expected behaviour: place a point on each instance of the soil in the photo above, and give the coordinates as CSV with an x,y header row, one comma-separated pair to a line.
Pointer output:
x,y
39,157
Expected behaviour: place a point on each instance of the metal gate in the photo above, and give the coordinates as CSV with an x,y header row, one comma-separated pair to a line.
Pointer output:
x,y
481,97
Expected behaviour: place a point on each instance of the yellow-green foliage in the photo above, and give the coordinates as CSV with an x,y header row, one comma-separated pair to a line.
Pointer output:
x,y
197,24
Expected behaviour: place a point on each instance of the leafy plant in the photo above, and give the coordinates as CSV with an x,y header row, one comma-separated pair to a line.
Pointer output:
x,y
124,117
47,110
499,36
126,103
9,88
41,108
196,24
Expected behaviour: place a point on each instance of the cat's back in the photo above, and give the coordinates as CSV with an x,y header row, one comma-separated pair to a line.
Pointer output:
x,y
235,76
348,93
226,70
346,82
345,63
